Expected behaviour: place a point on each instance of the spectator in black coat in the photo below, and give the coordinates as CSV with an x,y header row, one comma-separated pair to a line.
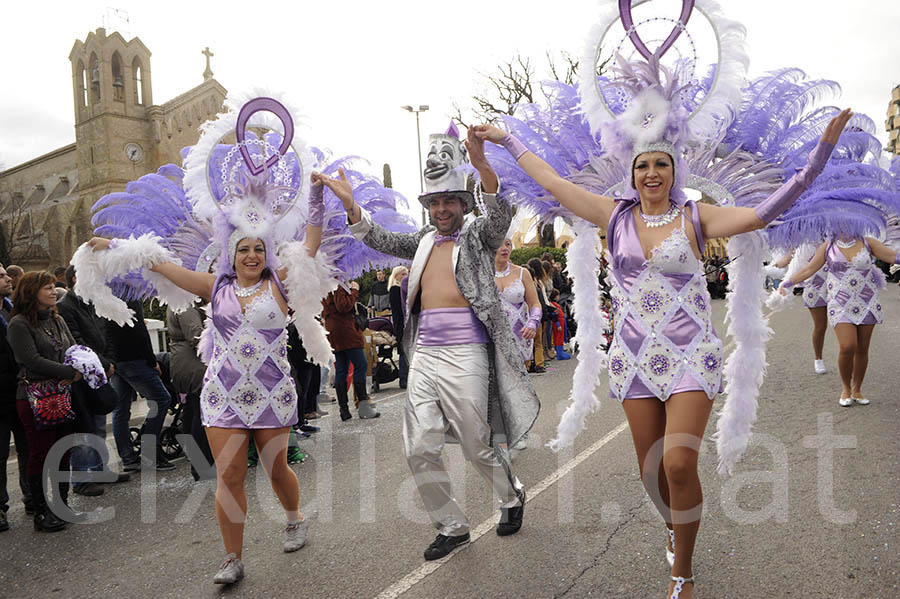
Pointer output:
x,y
10,425
89,330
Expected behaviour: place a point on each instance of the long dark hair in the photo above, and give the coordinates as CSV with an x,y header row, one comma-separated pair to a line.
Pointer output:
x,y
536,268
25,296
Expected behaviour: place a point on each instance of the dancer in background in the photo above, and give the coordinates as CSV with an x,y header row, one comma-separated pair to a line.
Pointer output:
x,y
853,307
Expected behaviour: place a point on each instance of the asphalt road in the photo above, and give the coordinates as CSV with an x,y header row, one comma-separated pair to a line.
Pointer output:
x,y
796,519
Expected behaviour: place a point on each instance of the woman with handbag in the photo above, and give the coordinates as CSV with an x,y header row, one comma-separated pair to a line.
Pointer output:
x,y
39,339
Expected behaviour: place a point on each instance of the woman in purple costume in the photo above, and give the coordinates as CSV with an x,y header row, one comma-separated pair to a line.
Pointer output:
x,y
815,298
665,359
853,307
519,297
248,389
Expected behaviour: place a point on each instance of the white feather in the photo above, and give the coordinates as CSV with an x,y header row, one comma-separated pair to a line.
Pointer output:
x,y
90,285
646,118
130,255
309,280
584,266
745,367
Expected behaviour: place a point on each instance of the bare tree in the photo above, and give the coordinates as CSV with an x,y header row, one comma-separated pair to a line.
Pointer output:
x,y
15,220
513,83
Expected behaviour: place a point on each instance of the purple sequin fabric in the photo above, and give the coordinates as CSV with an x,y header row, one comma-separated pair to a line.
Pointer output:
x,y
248,380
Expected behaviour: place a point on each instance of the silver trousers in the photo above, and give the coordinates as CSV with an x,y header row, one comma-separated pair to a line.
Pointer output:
x,y
448,392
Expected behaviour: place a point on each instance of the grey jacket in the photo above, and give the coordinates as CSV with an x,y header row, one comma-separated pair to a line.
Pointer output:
x,y
185,365
513,404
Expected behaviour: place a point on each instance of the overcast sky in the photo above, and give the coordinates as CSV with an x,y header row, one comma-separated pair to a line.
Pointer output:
x,y
349,66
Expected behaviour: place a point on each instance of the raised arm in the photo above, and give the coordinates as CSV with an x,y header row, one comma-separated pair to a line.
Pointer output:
x,y
817,262
316,214
198,283
493,227
883,252
718,221
581,202
402,245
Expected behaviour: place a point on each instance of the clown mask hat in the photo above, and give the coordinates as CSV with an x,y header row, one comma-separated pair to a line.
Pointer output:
x,y
442,176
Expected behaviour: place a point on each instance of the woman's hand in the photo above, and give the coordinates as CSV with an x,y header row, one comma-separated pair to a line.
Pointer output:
x,y
836,126
340,187
475,147
528,333
488,132
98,243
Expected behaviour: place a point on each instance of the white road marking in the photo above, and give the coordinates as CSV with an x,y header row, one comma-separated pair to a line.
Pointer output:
x,y
410,580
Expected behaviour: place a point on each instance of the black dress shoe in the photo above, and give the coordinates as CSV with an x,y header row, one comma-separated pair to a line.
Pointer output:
x,y
88,489
443,545
511,518
121,477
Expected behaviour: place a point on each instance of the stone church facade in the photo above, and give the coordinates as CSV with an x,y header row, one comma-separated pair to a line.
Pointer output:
x,y
120,134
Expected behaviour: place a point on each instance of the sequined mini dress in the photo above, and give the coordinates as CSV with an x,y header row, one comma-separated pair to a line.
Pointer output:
x,y
248,380
664,341
853,287
513,300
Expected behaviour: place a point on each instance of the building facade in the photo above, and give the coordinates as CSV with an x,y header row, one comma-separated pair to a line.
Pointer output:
x,y
892,124
120,135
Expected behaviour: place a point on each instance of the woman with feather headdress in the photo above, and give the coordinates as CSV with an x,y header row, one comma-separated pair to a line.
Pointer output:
x,y
665,362
236,214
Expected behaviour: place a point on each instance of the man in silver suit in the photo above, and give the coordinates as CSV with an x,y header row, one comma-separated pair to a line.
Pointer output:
x,y
466,378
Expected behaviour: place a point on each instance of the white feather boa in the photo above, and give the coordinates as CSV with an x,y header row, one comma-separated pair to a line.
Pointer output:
x,y
126,256
309,280
802,255
583,259
745,368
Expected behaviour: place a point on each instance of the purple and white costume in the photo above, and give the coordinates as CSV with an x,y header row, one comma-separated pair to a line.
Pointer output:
x,y
853,287
664,341
248,380
513,300
815,294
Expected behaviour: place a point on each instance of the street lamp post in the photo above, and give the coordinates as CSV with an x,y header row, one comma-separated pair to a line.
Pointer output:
x,y
421,108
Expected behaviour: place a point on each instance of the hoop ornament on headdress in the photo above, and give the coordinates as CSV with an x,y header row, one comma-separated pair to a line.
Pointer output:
x,y
605,99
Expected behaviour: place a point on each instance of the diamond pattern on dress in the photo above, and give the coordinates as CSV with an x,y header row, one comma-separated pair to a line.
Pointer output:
x,y
853,291
666,313
227,374
269,374
660,365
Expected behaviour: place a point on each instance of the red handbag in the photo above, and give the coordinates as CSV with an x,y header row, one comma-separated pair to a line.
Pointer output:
x,y
51,403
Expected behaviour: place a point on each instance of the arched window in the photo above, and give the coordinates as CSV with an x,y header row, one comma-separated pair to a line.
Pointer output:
x,y
118,81
94,79
82,85
138,82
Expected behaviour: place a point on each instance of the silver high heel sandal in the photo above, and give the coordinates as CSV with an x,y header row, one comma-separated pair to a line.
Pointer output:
x,y
670,555
679,585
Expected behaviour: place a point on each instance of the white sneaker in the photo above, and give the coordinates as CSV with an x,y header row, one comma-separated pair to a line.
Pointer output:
x,y
295,535
231,570
819,366
846,401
